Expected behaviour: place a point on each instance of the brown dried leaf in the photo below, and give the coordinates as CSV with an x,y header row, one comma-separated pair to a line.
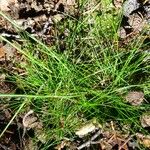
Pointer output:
x,y
137,22
6,87
30,120
145,120
118,3
2,53
6,52
63,144
29,144
105,145
135,98
143,139
69,6
7,114
9,50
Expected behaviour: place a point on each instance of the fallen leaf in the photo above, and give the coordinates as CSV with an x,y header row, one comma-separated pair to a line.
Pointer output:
x,y
2,53
122,33
31,121
143,139
69,6
29,144
88,128
135,98
57,18
4,4
129,6
118,3
136,21
63,144
2,77
6,87
105,145
9,50
6,52
145,120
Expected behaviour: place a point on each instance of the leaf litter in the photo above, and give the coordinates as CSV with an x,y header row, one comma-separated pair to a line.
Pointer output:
x,y
135,98
135,20
38,18
145,120
11,139
31,121
102,138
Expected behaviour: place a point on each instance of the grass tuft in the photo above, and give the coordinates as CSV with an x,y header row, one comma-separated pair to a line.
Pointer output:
x,y
88,80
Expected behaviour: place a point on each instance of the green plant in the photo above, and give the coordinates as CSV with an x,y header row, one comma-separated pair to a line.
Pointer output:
x,y
88,80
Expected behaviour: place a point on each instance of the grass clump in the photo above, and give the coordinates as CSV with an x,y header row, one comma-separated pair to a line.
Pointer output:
x,y
88,80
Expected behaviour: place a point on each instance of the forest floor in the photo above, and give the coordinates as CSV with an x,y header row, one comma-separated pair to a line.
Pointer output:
x,y
74,75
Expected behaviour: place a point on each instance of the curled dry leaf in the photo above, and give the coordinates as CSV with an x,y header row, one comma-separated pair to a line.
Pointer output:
x,y
143,139
135,98
30,121
145,120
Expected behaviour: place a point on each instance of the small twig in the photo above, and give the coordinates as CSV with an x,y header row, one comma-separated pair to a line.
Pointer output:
x,y
88,143
114,132
3,147
125,142
111,138
10,35
95,135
